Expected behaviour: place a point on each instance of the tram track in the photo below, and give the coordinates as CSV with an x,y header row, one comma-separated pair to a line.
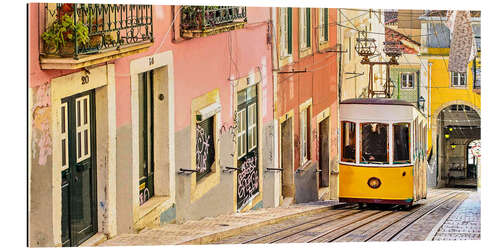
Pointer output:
x,y
357,224
354,232
399,220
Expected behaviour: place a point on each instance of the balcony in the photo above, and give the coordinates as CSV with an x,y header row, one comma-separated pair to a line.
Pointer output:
x,y
74,36
201,21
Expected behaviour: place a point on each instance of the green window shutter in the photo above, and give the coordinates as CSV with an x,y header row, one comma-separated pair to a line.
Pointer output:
x,y
308,26
290,37
325,16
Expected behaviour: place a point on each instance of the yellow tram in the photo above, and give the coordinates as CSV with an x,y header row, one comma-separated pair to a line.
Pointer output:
x,y
382,152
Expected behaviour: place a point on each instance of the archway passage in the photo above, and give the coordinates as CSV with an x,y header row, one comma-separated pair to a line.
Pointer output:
x,y
460,131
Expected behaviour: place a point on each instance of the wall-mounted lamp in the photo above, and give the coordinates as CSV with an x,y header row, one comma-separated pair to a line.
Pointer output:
x,y
453,146
421,102
447,136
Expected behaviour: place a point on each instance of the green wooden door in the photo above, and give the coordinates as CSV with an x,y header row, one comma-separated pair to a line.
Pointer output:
x,y
78,220
248,173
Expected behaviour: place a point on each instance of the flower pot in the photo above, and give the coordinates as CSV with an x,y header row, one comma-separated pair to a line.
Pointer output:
x,y
67,50
95,41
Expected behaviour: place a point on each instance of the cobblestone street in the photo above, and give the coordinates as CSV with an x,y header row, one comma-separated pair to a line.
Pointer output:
x,y
447,214
464,223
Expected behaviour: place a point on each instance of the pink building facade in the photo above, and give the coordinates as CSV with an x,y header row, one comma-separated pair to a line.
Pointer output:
x,y
174,123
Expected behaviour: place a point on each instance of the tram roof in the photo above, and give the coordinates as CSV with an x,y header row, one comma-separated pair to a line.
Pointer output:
x,y
378,101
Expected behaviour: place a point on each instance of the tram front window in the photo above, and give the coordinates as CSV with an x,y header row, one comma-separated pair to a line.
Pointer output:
x,y
402,143
374,143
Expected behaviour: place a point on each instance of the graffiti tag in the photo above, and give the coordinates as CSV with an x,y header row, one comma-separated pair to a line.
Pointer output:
x,y
202,148
248,180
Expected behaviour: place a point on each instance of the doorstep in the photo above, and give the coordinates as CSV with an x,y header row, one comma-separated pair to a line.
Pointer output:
x,y
95,240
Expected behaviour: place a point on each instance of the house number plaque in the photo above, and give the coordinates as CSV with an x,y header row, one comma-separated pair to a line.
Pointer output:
x,y
85,79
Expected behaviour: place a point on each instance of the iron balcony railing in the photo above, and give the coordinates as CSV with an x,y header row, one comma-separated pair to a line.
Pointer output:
x,y
71,30
203,18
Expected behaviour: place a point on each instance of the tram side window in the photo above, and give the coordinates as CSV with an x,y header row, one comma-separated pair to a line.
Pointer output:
x,y
402,143
348,141
374,143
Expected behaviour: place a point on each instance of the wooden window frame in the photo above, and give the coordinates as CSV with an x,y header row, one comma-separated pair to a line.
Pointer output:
x,y
342,143
409,142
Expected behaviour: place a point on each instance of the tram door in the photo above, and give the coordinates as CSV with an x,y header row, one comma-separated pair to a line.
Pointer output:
x,y
78,188
324,156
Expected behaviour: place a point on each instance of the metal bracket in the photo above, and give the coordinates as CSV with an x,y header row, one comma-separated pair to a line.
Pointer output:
x,y
230,169
334,172
293,71
187,171
354,73
335,51
299,170
274,169
318,171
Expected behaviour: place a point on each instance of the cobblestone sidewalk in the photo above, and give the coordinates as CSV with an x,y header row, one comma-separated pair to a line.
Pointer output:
x,y
464,223
212,229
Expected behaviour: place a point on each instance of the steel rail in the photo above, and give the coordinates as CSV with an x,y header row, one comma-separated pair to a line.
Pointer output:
x,y
370,221
439,202
300,224
419,218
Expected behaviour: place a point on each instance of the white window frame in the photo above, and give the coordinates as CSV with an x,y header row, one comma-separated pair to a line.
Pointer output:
x,y
64,135
82,128
252,126
461,76
284,32
404,81
303,29
242,145
305,130
321,26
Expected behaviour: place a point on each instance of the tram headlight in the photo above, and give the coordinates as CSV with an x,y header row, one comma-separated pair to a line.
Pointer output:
x,y
374,182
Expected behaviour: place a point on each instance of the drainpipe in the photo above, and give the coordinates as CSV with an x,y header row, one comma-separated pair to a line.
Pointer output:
x,y
339,58
274,66
418,89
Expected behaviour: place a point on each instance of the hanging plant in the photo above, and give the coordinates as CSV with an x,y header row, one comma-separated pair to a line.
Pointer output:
x,y
63,32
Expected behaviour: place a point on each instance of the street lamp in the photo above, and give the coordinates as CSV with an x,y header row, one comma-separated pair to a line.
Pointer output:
x,y
421,102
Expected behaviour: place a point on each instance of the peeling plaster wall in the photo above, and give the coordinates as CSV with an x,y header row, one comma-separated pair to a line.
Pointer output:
x,y
272,179
41,228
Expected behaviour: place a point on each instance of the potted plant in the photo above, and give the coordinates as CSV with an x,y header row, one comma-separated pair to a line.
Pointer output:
x,y
61,34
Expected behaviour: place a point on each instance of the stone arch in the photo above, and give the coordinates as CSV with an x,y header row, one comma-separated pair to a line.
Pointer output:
x,y
435,129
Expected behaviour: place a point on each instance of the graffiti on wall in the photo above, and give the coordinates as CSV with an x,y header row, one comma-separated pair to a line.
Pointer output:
x,y
248,180
144,196
315,138
230,129
42,142
202,149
